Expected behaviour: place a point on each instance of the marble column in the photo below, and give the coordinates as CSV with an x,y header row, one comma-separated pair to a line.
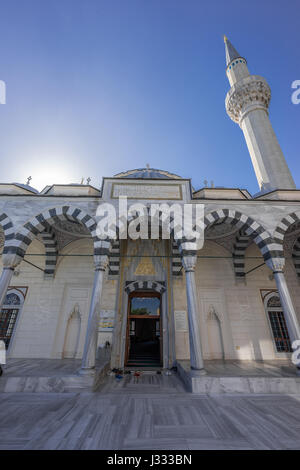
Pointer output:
x,y
287,306
189,264
9,261
290,315
90,346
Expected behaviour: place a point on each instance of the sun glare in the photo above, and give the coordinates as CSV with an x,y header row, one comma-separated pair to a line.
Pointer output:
x,y
51,170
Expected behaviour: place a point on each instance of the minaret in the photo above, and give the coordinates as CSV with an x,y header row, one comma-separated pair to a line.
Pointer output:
x,y
247,104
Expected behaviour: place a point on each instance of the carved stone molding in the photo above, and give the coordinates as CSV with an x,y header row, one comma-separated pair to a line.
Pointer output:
x,y
276,264
250,93
101,262
219,230
71,227
189,262
290,240
64,239
11,260
212,315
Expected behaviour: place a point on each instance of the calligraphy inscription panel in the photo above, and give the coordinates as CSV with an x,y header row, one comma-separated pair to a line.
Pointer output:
x,y
147,191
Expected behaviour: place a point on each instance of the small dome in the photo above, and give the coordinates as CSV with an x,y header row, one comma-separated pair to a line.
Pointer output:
x,y
154,173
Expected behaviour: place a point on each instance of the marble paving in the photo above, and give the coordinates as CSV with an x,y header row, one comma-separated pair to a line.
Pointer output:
x,y
241,377
153,413
39,367
277,368
56,375
216,368
50,375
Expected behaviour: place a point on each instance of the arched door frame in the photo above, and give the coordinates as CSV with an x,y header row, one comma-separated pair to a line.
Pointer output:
x,y
147,286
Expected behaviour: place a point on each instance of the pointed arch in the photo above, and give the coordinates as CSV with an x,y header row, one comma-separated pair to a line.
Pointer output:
x,y
248,226
72,333
46,220
282,228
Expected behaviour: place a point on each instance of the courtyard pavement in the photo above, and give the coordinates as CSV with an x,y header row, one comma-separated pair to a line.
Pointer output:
x,y
153,412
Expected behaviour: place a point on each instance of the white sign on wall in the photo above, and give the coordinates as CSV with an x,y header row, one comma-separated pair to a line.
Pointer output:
x,y
2,353
106,320
147,191
181,323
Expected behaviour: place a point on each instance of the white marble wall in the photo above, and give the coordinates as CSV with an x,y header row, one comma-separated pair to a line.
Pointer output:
x,y
245,328
41,327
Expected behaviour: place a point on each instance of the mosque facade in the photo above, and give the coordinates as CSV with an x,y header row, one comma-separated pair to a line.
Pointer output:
x,y
67,293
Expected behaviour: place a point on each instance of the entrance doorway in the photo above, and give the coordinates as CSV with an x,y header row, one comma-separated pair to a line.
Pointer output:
x,y
144,341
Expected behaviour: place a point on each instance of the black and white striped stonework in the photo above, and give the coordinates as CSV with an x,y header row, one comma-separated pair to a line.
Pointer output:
x,y
279,234
296,256
284,225
238,255
7,227
158,286
247,225
47,219
50,243
114,259
176,260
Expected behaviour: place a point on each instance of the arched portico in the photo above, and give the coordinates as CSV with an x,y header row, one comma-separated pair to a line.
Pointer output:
x,y
272,251
18,243
47,219
246,225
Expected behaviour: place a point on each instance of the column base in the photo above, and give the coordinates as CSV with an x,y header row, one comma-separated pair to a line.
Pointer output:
x,y
198,372
87,371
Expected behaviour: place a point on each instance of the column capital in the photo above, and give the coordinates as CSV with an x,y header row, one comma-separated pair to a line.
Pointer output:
x,y
276,264
189,262
10,260
101,262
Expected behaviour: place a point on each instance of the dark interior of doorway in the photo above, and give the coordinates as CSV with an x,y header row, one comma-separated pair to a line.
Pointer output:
x,y
144,348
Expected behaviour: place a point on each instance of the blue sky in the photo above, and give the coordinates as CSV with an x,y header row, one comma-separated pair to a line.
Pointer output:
x,y
97,87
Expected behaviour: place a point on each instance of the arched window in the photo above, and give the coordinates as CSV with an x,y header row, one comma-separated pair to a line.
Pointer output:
x,y
9,314
277,322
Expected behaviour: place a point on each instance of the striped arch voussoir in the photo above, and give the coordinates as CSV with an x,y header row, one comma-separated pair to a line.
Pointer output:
x,y
50,244
238,255
158,286
176,260
249,227
45,222
296,256
284,225
114,258
7,226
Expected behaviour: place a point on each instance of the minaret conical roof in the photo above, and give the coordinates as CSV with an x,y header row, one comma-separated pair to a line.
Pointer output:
x,y
231,52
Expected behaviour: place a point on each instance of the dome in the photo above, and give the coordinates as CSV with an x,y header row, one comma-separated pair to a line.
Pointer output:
x,y
154,173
